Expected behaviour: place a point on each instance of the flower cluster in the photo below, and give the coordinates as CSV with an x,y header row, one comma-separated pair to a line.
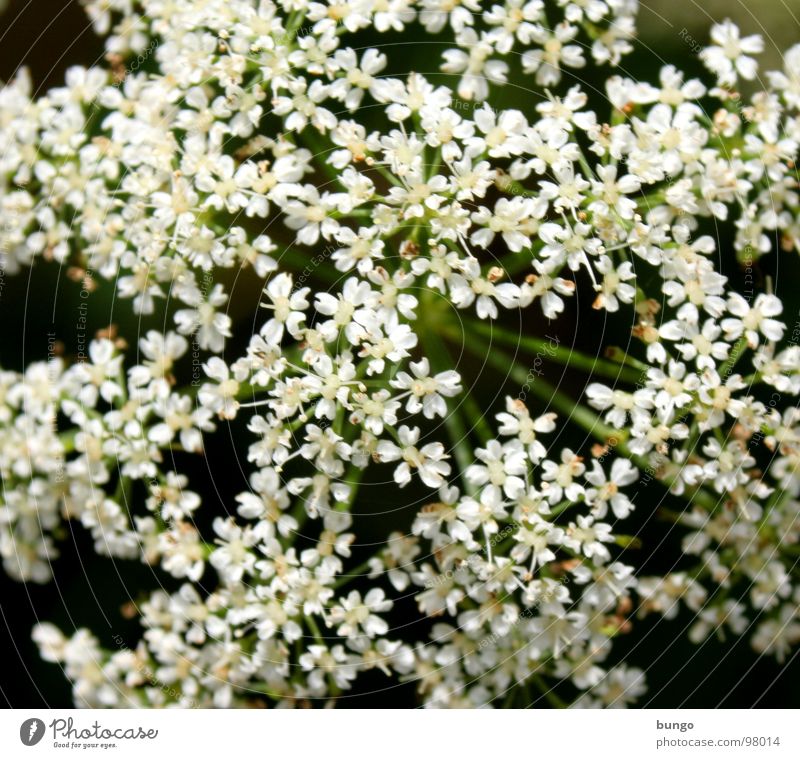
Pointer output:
x,y
389,227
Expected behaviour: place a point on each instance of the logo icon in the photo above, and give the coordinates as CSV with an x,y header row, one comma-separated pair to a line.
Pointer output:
x,y
31,731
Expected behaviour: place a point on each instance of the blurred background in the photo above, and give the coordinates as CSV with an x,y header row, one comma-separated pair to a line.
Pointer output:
x,y
48,36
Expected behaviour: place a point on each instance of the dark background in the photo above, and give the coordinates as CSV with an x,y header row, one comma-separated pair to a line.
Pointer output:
x,y
48,37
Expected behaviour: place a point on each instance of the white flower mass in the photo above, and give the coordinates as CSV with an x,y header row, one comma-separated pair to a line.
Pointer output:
x,y
399,226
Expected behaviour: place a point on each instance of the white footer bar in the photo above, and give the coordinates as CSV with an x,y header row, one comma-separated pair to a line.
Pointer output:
x,y
406,734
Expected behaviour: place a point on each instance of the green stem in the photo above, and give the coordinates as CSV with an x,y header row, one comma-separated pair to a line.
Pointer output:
x,y
312,625
736,353
67,440
548,693
589,421
550,349
359,571
456,429
479,423
320,151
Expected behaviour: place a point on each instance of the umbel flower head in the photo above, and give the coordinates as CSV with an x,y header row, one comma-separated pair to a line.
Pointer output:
x,y
417,500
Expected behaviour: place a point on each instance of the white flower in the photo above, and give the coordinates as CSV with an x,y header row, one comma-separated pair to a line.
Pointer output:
x,y
287,305
101,373
508,219
475,65
357,78
559,478
502,467
606,490
426,393
483,512
728,58
751,320
502,133
546,61
429,461
160,352
587,536
355,616
537,541
219,398
210,327
234,556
